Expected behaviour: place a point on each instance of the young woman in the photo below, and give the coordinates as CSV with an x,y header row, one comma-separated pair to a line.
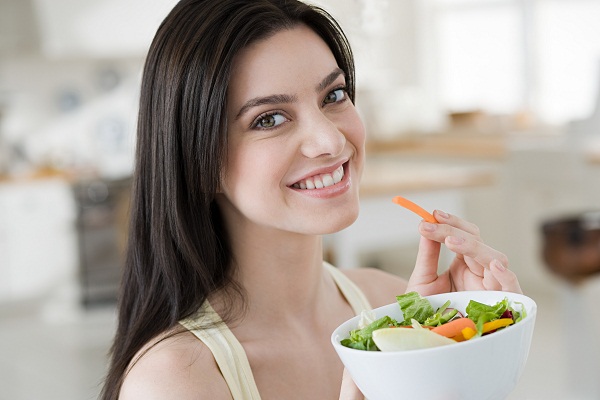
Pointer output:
x,y
249,149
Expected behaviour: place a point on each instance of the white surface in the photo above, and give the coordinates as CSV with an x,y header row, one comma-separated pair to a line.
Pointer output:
x,y
99,28
38,243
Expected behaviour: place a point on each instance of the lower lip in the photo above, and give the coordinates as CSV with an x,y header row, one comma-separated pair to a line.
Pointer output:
x,y
331,191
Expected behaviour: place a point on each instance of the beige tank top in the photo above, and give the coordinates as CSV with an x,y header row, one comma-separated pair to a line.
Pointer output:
x,y
228,351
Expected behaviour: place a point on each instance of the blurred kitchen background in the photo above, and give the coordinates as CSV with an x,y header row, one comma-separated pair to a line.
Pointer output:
x,y
489,109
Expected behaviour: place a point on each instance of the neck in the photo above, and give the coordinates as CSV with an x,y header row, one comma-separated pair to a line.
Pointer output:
x,y
287,268
280,272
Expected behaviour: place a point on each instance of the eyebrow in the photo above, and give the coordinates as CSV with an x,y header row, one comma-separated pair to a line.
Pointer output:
x,y
259,101
329,79
285,98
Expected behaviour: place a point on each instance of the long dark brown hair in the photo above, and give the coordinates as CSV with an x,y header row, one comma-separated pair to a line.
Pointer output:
x,y
178,250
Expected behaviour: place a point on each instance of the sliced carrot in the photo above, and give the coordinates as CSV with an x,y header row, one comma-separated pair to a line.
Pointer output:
x,y
455,327
409,205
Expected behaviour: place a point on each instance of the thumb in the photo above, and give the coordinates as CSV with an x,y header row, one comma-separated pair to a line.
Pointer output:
x,y
426,266
349,389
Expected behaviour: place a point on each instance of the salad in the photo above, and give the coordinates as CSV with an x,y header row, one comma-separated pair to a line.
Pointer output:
x,y
424,327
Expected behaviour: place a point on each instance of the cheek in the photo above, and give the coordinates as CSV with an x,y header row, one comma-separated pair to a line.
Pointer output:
x,y
358,128
351,124
250,172
354,130
237,172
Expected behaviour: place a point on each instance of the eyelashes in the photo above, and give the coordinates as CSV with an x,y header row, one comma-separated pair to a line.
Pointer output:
x,y
269,120
275,118
335,96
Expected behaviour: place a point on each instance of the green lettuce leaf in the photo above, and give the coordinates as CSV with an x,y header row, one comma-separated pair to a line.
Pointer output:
x,y
481,313
441,316
362,339
518,315
414,306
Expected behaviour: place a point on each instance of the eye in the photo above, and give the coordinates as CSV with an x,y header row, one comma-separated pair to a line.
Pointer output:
x,y
269,121
335,96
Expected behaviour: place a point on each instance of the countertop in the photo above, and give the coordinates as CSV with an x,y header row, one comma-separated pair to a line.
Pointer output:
x,y
482,146
414,162
44,174
386,175
40,174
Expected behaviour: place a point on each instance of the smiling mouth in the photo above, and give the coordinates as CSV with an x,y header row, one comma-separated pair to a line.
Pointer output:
x,y
321,181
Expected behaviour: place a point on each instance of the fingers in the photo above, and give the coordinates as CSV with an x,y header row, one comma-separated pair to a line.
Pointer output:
x,y
461,224
476,266
489,281
477,254
349,389
458,228
426,265
484,262
464,243
506,278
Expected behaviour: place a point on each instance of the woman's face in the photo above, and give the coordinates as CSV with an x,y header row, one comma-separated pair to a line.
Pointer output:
x,y
296,142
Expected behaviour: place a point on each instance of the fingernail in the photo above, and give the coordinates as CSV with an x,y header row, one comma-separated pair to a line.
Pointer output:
x,y
429,227
455,240
499,265
442,214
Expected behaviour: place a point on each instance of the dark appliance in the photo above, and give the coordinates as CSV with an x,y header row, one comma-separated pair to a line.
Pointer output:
x,y
102,230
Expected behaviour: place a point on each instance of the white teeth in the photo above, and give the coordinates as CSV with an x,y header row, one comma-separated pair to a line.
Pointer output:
x,y
321,181
327,180
318,182
338,174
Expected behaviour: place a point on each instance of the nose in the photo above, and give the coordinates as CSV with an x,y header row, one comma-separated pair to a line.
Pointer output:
x,y
322,137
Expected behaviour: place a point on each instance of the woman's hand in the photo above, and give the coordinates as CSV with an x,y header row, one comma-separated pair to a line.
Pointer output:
x,y
349,389
475,267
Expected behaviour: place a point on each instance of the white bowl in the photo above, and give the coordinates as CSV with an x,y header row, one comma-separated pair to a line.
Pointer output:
x,y
484,368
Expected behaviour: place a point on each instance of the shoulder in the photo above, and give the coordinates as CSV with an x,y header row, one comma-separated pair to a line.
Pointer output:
x,y
174,366
379,286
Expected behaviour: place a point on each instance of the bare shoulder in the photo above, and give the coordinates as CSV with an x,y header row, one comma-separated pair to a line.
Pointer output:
x,y
379,286
176,366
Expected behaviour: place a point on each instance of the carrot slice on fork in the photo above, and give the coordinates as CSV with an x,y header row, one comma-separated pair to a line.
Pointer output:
x,y
409,205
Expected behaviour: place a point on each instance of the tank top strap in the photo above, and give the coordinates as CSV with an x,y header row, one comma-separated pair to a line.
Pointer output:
x,y
351,292
227,351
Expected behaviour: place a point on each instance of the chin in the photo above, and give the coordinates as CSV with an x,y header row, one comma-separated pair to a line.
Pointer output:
x,y
341,222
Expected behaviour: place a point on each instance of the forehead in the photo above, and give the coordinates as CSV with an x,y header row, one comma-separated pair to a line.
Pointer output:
x,y
283,63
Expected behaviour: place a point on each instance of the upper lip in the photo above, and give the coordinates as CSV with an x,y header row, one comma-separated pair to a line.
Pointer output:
x,y
323,170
